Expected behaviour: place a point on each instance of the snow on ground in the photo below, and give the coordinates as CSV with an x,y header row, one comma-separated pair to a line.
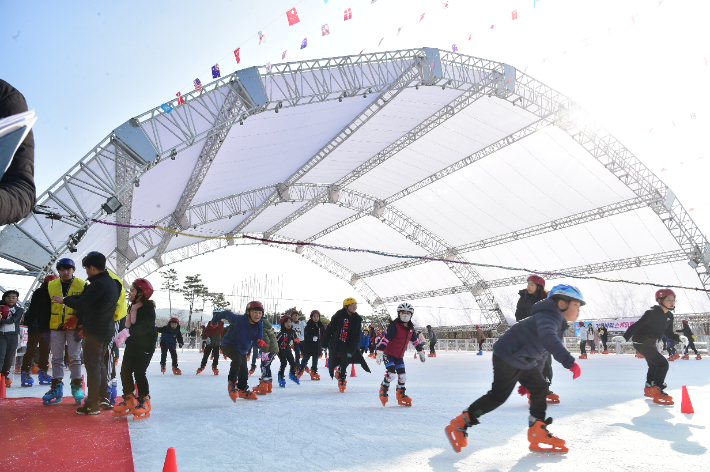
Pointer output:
x,y
603,416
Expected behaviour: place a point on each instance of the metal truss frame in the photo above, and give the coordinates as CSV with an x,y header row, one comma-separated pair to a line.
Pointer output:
x,y
587,269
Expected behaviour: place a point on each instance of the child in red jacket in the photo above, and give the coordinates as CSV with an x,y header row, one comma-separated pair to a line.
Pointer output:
x,y
391,349
213,338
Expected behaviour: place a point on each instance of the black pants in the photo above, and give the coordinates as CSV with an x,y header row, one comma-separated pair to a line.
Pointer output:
x,y
431,346
691,345
547,371
173,355
8,346
363,350
238,371
603,340
35,341
206,356
505,377
657,364
583,347
372,345
135,363
285,356
314,362
95,360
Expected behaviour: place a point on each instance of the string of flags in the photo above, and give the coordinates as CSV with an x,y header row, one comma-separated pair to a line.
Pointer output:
x,y
395,255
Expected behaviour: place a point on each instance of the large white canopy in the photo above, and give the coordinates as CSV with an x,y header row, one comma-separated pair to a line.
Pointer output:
x,y
419,152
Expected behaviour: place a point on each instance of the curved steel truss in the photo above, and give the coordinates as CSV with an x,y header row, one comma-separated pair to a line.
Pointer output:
x,y
116,164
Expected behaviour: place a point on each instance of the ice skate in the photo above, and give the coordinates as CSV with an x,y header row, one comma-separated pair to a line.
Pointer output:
x,y
8,383
307,370
76,391
43,378
35,369
538,434
201,351
383,394
660,397
342,383
247,394
142,411
479,353
162,368
199,371
698,357
299,373
647,390
314,375
552,397
55,394
26,379
262,388
253,368
456,430
402,398
271,385
685,357
282,381
294,377
639,355
676,355
582,356
126,407
671,358
176,371
605,351
232,389
215,370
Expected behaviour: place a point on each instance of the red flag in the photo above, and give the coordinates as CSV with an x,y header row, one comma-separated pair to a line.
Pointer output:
x,y
422,17
236,55
292,16
348,14
181,100
515,14
283,55
469,37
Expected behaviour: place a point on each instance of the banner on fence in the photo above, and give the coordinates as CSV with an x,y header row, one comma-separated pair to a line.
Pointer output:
x,y
615,327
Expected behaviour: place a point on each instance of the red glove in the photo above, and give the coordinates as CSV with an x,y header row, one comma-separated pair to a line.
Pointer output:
x,y
293,346
523,391
70,323
576,370
4,311
261,343
296,341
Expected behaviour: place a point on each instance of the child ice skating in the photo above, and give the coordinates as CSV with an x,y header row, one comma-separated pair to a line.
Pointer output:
x,y
312,336
213,334
364,340
298,328
688,333
516,356
140,336
170,339
645,333
269,350
10,316
286,337
391,350
583,335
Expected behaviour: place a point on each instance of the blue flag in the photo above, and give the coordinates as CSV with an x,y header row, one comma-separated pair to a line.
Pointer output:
x,y
166,108
215,71
454,48
304,43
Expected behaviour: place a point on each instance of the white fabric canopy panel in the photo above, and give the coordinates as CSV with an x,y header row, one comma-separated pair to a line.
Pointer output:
x,y
417,152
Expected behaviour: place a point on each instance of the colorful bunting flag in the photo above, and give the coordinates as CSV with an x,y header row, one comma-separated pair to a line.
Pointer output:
x,y
292,16
469,37
180,98
692,116
515,14
399,30
492,26
262,36
378,44
324,29
422,17
361,52
166,108
236,55
446,4
215,71
348,14
304,43
454,48
283,55
268,67
198,85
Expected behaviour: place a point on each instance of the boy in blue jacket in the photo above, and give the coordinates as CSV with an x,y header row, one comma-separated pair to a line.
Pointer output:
x,y
237,341
364,340
170,338
516,355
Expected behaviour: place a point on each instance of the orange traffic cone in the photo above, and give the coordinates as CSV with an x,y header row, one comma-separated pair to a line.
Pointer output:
x,y
170,461
685,405
326,362
2,387
415,355
352,371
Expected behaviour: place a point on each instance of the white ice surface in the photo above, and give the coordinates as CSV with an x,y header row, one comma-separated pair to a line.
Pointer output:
x,y
603,416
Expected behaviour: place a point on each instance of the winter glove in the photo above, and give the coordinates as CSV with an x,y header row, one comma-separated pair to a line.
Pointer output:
x,y
47,336
523,391
70,323
296,341
349,355
576,370
421,356
293,347
121,337
378,357
180,345
261,343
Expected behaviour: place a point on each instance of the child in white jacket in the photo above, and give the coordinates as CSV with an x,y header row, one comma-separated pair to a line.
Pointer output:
x,y
583,334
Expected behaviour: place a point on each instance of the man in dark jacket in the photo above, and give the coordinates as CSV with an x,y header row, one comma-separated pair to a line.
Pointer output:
x,y
516,356
9,331
342,336
95,309
688,333
17,185
37,322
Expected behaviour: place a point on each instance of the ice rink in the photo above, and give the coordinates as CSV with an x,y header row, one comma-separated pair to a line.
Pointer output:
x,y
603,416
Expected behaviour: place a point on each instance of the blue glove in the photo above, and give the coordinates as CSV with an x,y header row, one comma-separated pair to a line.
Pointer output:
x,y
47,336
350,355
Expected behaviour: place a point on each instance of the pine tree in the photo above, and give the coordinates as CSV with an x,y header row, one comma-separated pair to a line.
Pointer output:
x,y
170,283
192,290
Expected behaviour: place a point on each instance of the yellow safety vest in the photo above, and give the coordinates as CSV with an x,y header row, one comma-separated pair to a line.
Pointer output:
x,y
121,307
61,312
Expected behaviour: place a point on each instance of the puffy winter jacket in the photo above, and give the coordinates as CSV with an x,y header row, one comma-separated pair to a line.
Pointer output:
x,y
526,343
343,332
312,336
38,314
397,337
241,333
654,324
170,337
213,333
12,322
143,332
96,306
583,334
269,336
364,340
526,302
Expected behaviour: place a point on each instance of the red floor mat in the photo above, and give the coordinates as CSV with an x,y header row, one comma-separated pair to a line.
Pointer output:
x,y
40,437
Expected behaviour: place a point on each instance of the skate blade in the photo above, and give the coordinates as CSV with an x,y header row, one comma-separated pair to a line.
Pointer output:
x,y
404,403
384,400
121,414
457,445
52,402
555,449
551,401
661,402
141,417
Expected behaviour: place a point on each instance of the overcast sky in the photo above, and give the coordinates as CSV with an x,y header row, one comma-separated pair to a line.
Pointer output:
x,y
640,68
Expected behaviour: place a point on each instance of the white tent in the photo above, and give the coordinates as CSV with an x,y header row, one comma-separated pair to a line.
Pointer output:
x,y
418,152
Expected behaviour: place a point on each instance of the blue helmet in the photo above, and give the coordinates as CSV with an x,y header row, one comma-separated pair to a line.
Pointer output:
x,y
66,262
567,292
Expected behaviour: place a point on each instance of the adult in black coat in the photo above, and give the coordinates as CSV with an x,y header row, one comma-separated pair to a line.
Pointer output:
x,y
604,337
688,333
95,309
312,337
17,185
37,322
10,332
342,336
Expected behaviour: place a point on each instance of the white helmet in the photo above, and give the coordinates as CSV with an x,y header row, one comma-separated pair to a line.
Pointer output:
x,y
404,306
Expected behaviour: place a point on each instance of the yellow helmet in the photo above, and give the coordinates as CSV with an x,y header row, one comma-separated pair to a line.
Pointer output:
x,y
349,301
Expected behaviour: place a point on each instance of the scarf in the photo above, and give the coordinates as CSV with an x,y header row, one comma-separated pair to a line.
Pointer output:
x,y
132,312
